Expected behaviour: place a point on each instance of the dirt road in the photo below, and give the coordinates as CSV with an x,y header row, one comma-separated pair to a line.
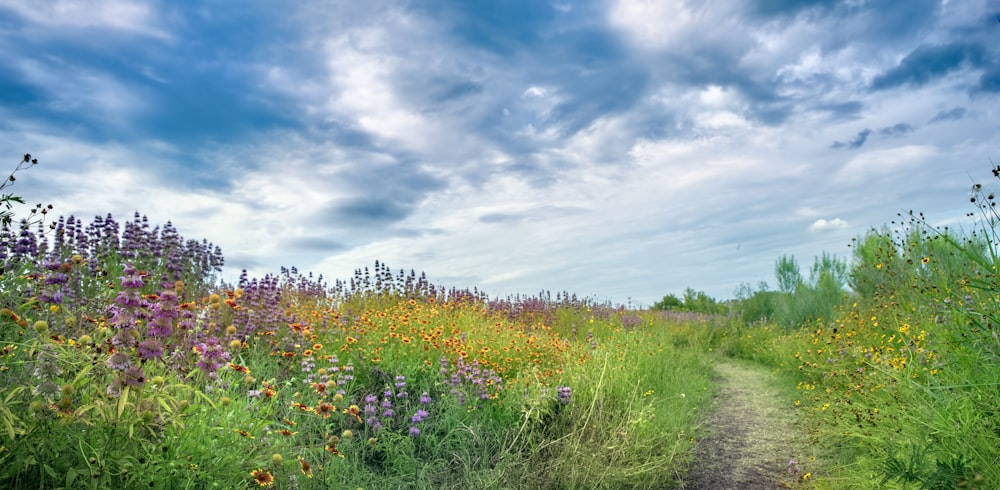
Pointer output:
x,y
753,435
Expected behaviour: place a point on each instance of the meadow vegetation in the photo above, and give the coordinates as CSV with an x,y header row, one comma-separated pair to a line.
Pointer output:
x,y
125,362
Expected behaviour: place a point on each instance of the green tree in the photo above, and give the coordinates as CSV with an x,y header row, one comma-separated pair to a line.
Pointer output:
x,y
786,271
669,302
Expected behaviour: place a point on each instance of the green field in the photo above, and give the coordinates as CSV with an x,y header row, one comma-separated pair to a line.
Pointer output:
x,y
126,363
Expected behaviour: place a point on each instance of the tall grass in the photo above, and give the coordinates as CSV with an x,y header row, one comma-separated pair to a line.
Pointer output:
x,y
902,381
125,363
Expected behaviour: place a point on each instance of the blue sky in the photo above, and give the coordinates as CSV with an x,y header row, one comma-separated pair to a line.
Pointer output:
x,y
621,149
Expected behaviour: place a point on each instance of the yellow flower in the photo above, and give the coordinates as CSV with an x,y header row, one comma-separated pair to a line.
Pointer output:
x,y
807,476
305,467
263,478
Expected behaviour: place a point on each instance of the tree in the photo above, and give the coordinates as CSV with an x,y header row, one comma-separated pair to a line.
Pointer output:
x,y
669,302
786,271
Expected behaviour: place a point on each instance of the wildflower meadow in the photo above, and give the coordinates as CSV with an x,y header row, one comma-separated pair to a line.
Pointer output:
x,y
126,362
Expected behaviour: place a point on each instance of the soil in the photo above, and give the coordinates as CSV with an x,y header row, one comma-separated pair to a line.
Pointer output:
x,y
752,433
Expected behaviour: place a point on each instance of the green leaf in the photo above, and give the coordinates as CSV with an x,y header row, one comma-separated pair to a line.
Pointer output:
x,y
83,372
122,401
7,422
70,476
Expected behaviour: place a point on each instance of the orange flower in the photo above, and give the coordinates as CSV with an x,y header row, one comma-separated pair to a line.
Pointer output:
x,y
325,409
332,449
305,467
244,433
317,346
263,478
237,367
319,388
303,407
354,411
268,390
351,340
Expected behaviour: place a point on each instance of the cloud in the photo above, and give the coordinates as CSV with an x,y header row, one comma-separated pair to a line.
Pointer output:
x,y
855,143
824,225
651,25
990,80
953,114
897,129
642,139
364,212
789,7
314,243
929,62
874,165
135,17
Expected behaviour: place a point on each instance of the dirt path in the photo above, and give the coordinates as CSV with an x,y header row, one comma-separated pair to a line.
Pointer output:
x,y
752,434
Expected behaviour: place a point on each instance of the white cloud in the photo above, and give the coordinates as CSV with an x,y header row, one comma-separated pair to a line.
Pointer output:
x,y
877,164
824,225
136,17
534,91
652,24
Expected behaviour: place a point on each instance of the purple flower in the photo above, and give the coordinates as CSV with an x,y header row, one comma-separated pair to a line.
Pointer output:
x,y
47,389
564,394
414,431
46,364
160,327
119,361
425,398
150,349
419,416
134,376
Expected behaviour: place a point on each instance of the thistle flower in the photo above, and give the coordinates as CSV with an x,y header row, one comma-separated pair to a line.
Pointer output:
x,y
134,376
124,338
46,365
150,349
48,389
119,361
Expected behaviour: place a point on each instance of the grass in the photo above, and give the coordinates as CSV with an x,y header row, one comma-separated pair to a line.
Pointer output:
x,y
126,363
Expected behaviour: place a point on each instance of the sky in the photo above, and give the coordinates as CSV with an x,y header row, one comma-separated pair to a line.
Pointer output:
x,y
621,150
